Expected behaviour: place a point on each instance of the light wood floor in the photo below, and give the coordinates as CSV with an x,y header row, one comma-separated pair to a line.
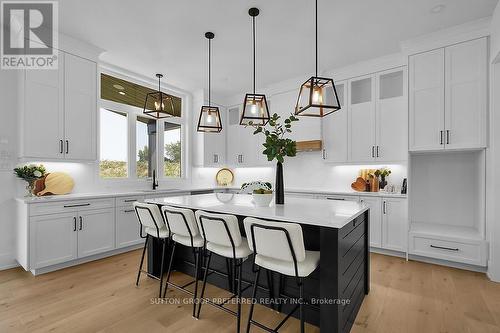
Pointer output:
x,y
101,297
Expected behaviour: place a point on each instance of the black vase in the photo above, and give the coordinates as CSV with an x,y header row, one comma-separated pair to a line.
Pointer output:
x,y
279,188
382,182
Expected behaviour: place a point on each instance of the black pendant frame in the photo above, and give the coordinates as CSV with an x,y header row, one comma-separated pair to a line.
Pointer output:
x,y
206,111
162,99
311,109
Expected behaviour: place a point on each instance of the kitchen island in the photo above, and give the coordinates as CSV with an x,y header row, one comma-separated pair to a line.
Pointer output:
x,y
338,229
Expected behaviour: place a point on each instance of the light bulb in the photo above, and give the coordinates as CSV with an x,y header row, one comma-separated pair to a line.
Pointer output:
x,y
210,119
157,106
253,108
317,97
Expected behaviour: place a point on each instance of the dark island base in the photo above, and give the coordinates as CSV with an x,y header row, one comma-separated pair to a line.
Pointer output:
x,y
343,274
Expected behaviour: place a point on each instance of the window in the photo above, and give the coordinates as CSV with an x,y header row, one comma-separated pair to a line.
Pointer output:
x,y
145,146
172,152
114,144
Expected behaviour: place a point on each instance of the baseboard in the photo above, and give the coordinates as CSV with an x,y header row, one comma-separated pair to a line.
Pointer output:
x,y
71,263
388,252
7,261
448,263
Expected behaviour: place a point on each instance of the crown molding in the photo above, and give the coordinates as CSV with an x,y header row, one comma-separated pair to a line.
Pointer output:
x,y
449,36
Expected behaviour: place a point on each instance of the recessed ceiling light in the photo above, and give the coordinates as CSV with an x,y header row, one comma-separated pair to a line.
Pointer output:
x,y
121,92
117,86
437,9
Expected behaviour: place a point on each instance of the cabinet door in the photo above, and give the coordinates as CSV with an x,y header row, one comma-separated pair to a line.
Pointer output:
x,y
80,108
362,119
127,227
394,224
427,101
96,231
53,239
392,116
375,219
334,129
42,118
466,94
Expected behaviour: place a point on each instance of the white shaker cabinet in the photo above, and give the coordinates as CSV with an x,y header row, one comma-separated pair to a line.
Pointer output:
x,y
53,239
58,111
394,224
96,231
334,129
375,219
448,97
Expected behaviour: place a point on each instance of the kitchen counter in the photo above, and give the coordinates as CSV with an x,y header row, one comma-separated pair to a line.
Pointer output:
x,y
306,211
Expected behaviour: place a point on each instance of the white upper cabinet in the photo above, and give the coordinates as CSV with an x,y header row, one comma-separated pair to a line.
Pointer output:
x,y
79,108
362,119
448,97
334,129
466,94
58,112
391,116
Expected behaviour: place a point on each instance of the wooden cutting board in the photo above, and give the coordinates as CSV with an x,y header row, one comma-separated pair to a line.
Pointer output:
x,y
359,185
57,183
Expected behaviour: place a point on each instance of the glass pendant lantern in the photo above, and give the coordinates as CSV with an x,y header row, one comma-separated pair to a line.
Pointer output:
x,y
317,96
255,109
158,104
209,121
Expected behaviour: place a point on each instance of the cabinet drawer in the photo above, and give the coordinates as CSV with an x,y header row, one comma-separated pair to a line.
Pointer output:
x,y
70,206
338,197
466,252
128,201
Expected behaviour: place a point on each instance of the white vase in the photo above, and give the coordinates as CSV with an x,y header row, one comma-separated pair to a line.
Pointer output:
x,y
262,200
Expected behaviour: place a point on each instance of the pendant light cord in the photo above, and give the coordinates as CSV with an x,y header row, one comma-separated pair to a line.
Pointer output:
x,y
253,29
316,38
209,70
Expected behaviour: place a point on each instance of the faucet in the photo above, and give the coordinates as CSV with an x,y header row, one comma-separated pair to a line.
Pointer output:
x,y
155,181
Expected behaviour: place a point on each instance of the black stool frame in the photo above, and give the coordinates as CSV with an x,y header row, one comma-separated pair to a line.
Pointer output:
x,y
147,237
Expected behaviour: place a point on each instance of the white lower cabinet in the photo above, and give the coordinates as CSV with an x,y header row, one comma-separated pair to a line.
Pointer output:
x,y
96,232
127,227
375,220
394,224
53,239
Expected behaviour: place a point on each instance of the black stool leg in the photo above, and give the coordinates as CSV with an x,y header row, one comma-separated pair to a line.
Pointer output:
x,y
142,260
301,305
162,265
270,286
204,284
229,277
238,298
254,293
169,268
196,274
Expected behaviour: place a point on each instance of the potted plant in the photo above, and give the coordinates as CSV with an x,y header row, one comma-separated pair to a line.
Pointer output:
x,y
262,197
277,146
382,173
30,173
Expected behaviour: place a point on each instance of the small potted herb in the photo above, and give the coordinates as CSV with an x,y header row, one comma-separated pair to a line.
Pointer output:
x,y
383,174
263,196
30,173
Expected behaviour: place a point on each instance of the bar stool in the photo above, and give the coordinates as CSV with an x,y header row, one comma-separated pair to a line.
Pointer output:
x,y
150,218
184,228
279,247
223,237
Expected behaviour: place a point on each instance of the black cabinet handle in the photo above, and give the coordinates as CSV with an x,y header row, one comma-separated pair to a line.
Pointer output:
x,y
385,207
377,151
441,137
74,223
61,148
67,146
129,211
79,205
447,137
338,199
444,248
130,200
373,151
81,223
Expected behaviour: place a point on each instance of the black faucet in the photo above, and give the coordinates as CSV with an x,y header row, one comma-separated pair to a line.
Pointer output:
x,y
155,181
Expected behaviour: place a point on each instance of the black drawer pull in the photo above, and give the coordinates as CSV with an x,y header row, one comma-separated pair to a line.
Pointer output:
x,y
339,199
79,205
130,200
129,211
444,248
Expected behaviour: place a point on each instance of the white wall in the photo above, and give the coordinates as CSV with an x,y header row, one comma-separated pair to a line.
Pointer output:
x,y
495,34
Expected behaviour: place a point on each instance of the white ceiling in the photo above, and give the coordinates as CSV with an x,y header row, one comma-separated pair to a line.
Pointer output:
x,y
149,36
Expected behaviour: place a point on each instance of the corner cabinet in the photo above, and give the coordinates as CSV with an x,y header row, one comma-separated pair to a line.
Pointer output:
x,y
448,97
58,111
334,129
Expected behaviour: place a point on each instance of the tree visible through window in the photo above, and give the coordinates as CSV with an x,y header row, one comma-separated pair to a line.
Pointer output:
x,y
172,151
113,142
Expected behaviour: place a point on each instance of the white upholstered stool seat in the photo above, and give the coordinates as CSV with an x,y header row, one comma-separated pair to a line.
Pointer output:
x,y
304,268
241,251
198,241
160,233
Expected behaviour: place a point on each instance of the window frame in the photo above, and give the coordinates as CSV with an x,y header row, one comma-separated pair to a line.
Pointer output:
x,y
132,113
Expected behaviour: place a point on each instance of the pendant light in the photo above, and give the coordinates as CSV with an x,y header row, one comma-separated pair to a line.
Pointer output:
x,y
209,120
317,96
158,104
255,110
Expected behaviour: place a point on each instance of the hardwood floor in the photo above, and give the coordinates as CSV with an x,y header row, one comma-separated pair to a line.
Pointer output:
x,y
101,297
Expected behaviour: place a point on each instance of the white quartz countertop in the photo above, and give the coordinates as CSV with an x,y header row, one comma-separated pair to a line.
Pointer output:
x,y
322,213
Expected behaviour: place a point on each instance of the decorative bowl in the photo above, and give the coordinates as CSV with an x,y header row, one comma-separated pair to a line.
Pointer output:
x,y
262,200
